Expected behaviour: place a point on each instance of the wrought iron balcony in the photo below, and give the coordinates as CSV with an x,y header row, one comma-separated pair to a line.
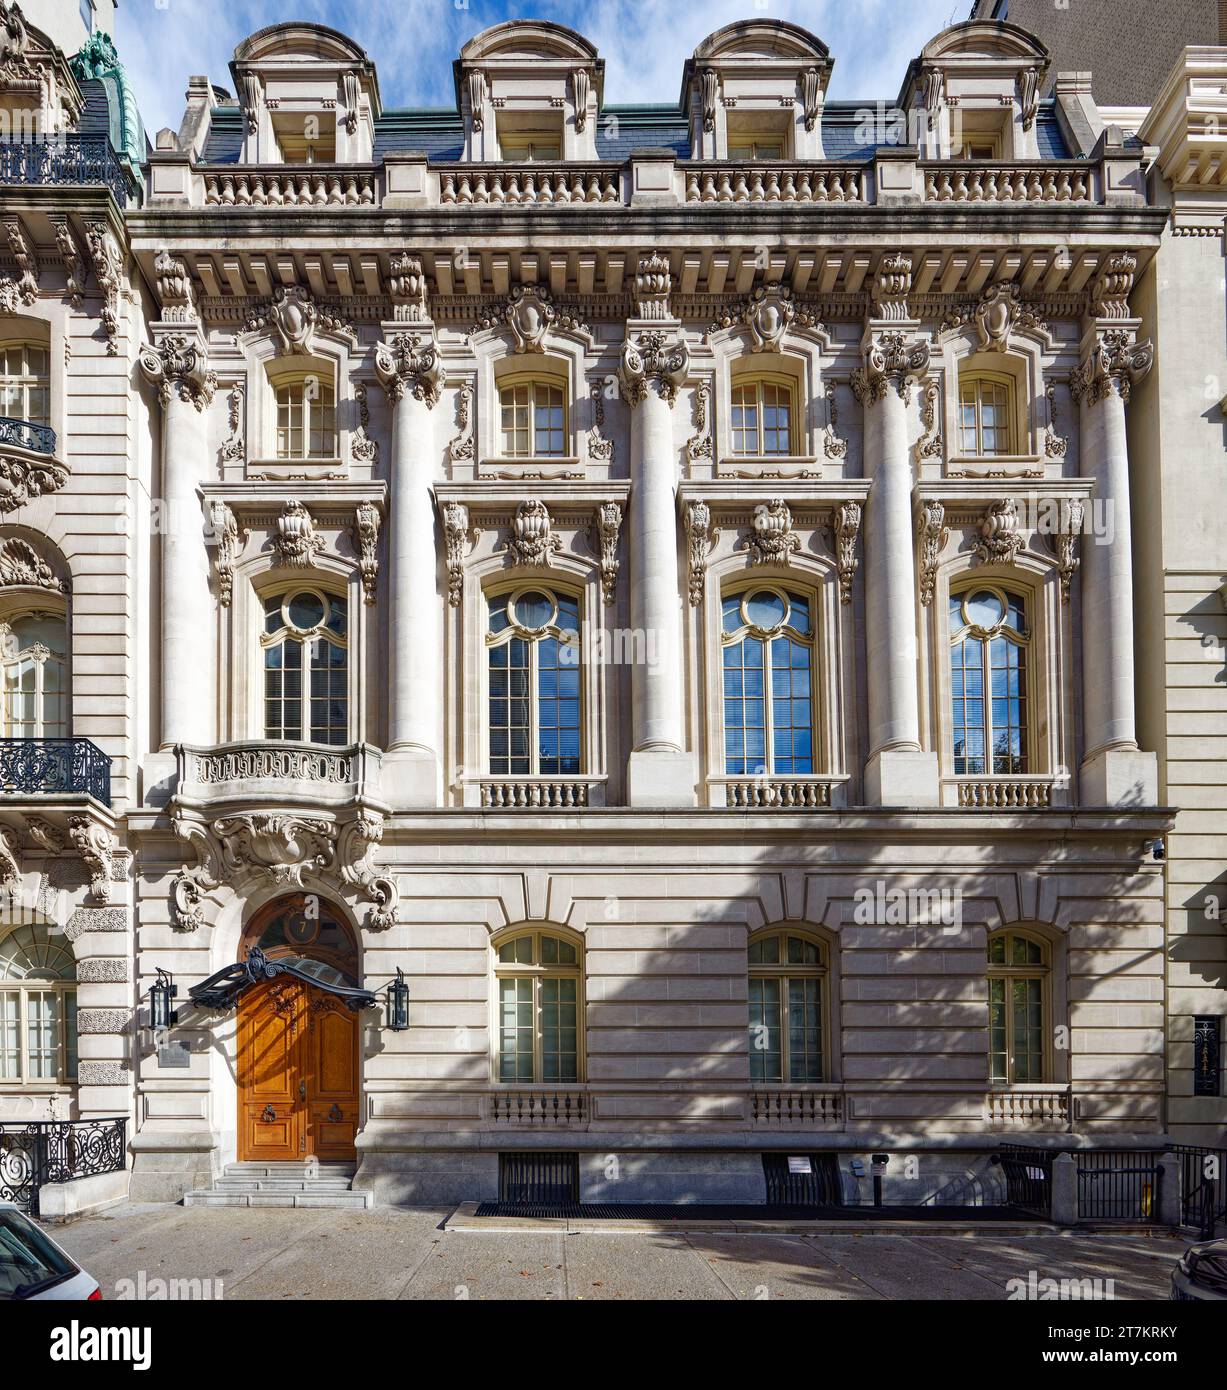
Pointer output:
x,y
23,434
64,161
36,1152
54,767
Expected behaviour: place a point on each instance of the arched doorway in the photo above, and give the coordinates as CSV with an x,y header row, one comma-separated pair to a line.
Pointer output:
x,y
298,1069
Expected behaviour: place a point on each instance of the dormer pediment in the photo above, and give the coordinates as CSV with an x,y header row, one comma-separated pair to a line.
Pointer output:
x,y
38,93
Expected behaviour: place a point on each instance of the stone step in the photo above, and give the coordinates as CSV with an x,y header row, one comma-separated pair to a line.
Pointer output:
x,y
249,1183
342,1200
296,1169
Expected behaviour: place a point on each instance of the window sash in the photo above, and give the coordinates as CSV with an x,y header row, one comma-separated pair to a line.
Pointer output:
x,y
1017,1004
533,420
25,383
762,419
538,1027
989,707
534,710
313,696
38,1034
768,706
986,425
786,1028
35,696
306,423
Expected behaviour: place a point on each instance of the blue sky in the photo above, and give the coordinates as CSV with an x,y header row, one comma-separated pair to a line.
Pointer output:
x,y
413,42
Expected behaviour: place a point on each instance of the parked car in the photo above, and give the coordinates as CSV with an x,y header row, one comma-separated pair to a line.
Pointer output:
x,y
1201,1272
32,1265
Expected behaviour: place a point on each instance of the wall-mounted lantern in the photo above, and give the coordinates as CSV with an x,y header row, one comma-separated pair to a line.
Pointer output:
x,y
397,1003
161,994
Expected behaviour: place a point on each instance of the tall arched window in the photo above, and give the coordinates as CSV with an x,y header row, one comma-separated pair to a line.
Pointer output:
x,y
534,418
788,976
34,655
306,667
768,642
38,1007
25,382
1018,975
534,678
539,979
986,414
306,412
763,416
989,645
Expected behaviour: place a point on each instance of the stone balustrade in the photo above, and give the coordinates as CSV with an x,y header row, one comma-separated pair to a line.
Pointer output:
x,y
506,184
1048,182
1022,1109
775,183
292,186
802,1108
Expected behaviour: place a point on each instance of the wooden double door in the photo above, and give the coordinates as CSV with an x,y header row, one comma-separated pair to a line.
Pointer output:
x,y
297,1073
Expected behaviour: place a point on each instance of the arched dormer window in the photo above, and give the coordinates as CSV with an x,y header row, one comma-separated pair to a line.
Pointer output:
x,y
534,683
25,382
305,644
533,416
768,672
990,682
38,1008
788,1007
305,395
1018,1008
763,415
539,987
34,656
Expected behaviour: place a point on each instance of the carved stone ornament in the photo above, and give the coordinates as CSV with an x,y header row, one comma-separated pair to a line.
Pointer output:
x,y
353,95
933,534
477,99
456,535
176,294
1000,537
10,861
600,449
177,366
699,445
73,260
296,543
933,90
580,86
709,88
229,540
653,284
284,845
811,95
108,268
251,92
96,845
23,290
1055,444
410,362
769,315
608,525
1115,362
771,539
366,540
21,566
532,540
995,315
294,317
530,313
234,447
1028,86
25,478
700,537
891,286
892,361
653,361
407,290
833,445
1073,513
362,448
929,445
14,43
463,448
847,527
1113,285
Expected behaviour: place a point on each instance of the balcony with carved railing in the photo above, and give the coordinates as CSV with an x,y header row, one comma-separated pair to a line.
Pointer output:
x,y
1049,181
1005,793
536,793
291,186
53,769
538,1107
260,772
797,1107
774,183
1028,1108
544,185
767,793
24,434
64,161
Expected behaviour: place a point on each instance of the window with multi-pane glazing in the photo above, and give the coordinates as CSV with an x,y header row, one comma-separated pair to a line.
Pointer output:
x,y
761,417
534,681
768,681
986,415
306,667
1017,1007
787,983
538,983
989,646
25,382
38,1007
306,416
533,419
34,655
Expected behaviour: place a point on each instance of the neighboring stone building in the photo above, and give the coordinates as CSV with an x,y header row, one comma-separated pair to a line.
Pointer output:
x,y
659,578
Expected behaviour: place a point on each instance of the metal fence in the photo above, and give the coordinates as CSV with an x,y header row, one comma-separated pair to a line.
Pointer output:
x,y
58,766
1118,1185
1028,1177
63,161
1203,1188
38,1152
25,434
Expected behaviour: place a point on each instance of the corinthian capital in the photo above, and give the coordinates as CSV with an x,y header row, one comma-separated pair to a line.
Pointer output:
x,y
894,360
176,363
409,362
652,360
1113,360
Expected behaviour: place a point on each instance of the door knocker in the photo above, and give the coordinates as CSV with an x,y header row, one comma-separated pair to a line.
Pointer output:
x,y
268,1116
335,1114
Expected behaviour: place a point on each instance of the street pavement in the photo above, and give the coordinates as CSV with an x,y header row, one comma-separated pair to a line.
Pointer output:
x,y
278,1253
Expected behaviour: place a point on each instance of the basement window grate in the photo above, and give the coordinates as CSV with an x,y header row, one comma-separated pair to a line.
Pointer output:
x,y
535,1179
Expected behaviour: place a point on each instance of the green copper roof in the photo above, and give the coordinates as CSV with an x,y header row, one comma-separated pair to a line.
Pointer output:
x,y
99,61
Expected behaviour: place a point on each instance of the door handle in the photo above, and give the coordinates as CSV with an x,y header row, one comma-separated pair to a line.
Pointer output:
x,y
302,1090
